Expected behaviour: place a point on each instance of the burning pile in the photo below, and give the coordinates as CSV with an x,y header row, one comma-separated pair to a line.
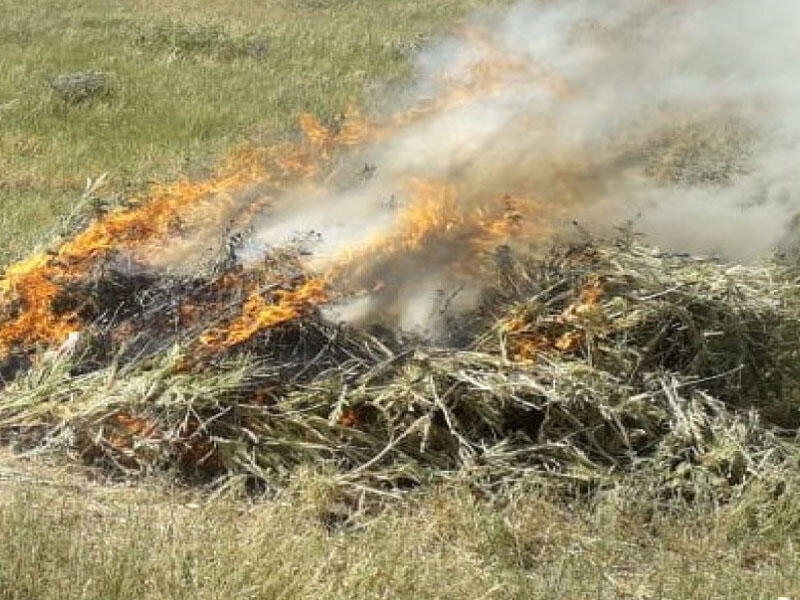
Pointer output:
x,y
595,360
193,330
110,274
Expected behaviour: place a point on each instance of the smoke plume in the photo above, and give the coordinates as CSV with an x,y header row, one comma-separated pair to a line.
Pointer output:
x,y
682,116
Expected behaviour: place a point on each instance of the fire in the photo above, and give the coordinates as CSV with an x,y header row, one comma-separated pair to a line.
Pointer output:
x,y
471,79
29,288
435,212
130,426
566,333
155,228
258,314
436,222
352,130
431,212
27,308
172,222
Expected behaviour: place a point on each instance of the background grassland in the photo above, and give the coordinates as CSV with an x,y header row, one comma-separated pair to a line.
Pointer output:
x,y
189,79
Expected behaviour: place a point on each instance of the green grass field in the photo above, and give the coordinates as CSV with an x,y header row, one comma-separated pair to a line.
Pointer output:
x,y
189,81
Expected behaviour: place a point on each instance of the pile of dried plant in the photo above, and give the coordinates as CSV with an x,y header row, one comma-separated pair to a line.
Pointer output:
x,y
595,362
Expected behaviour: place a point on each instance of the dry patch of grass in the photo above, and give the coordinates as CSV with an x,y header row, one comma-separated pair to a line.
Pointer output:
x,y
65,537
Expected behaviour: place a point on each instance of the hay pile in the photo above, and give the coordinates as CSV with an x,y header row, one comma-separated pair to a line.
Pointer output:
x,y
597,362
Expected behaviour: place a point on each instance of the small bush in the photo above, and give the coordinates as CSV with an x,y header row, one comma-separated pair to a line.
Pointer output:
x,y
81,87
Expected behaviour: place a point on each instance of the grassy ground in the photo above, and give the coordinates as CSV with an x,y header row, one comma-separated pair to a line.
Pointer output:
x,y
188,80
71,539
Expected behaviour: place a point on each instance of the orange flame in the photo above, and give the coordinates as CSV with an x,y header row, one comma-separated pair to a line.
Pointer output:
x,y
566,333
436,215
29,287
434,220
257,314
143,233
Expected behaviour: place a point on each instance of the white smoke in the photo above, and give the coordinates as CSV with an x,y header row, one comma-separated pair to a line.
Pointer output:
x,y
683,115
